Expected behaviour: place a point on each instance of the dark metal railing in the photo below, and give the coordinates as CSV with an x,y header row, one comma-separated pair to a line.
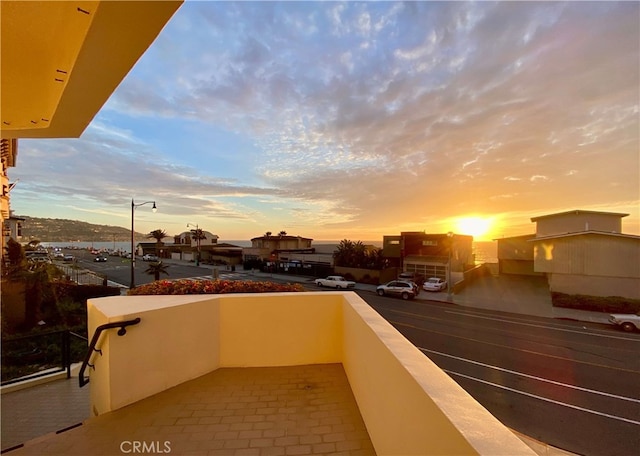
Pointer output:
x,y
94,341
37,355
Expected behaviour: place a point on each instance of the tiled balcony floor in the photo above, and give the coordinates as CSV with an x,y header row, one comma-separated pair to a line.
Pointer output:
x,y
232,411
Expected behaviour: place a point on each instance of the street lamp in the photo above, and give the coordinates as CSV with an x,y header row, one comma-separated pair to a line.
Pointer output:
x,y
132,284
197,233
449,295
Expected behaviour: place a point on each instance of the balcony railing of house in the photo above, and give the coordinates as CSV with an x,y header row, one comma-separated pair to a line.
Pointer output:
x,y
408,404
39,355
122,325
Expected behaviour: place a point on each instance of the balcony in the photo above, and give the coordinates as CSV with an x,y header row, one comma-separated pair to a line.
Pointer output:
x,y
280,373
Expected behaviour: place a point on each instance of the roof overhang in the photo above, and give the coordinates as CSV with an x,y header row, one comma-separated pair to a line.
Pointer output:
x,y
578,212
61,60
584,233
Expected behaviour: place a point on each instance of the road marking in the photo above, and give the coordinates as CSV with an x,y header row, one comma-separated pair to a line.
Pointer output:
x,y
426,317
604,366
542,379
564,404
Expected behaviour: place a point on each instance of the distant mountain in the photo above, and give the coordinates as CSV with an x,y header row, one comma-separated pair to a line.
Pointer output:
x,y
62,230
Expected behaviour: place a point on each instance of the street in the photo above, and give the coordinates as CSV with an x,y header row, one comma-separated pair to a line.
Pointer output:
x,y
570,384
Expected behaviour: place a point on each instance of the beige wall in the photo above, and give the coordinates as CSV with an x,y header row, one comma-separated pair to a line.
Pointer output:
x,y
583,221
595,285
409,405
520,267
589,254
275,330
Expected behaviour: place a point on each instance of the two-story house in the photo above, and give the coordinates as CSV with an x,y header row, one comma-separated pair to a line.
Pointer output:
x,y
270,247
580,252
430,254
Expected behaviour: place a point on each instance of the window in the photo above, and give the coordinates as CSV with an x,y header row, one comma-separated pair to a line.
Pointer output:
x,y
394,242
430,242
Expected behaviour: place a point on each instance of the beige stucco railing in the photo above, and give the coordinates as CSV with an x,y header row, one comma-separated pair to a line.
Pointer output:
x,y
408,404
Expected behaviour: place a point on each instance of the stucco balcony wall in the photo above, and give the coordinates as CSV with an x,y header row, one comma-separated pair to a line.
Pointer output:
x,y
408,404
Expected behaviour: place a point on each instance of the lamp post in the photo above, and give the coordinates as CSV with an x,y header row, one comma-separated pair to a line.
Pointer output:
x,y
449,295
197,233
132,284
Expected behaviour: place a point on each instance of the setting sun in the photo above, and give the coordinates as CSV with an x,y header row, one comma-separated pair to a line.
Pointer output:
x,y
477,227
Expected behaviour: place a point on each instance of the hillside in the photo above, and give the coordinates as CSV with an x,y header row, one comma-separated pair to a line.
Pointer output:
x,y
62,230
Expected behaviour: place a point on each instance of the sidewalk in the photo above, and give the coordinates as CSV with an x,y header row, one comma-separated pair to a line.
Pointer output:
x,y
515,294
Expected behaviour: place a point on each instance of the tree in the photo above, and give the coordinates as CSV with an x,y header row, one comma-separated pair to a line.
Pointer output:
x,y
268,234
282,233
198,235
158,235
15,258
156,268
356,255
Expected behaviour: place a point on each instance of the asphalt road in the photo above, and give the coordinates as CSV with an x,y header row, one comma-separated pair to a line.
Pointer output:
x,y
572,385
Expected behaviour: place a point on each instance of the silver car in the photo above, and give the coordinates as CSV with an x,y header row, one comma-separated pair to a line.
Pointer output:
x,y
402,288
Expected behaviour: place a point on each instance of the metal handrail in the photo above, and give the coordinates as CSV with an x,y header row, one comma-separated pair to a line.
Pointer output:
x,y
94,341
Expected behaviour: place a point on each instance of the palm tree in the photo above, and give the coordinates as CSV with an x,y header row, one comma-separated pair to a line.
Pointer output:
x,y
156,268
268,234
158,235
282,233
198,235
344,252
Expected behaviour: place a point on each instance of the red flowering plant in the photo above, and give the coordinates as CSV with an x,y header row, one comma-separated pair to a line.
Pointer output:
x,y
186,286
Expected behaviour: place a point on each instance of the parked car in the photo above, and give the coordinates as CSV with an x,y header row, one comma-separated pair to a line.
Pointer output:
x,y
100,259
335,282
149,257
434,284
68,259
402,288
627,322
411,277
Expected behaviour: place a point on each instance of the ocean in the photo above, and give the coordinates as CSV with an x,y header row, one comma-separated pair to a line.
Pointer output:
x,y
485,252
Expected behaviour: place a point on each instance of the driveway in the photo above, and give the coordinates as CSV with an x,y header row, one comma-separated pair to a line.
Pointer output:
x,y
519,294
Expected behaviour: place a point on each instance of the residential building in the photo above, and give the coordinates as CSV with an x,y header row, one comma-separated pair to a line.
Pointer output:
x,y
185,247
269,247
9,154
430,254
515,255
580,252
408,404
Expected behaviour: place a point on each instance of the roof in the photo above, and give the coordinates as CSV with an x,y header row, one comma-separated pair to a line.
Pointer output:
x,y
55,76
577,212
280,238
583,233
522,236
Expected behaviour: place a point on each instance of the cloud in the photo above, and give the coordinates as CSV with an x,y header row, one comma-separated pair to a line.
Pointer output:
x,y
362,114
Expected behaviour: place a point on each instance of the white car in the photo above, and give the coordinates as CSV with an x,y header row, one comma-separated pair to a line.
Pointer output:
x,y
434,284
335,282
149,257
627,322
403,288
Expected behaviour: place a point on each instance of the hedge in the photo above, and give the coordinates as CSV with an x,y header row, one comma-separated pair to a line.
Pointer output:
x,y
186,286
608,304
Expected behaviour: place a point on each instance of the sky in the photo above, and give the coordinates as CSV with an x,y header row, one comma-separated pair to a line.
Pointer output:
x,y
354,120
